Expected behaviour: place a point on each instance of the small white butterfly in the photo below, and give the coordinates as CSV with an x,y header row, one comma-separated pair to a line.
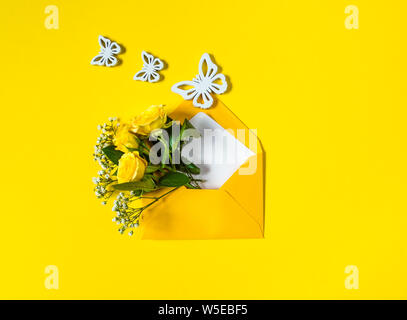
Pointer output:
x,y
149,71
107,51
201,87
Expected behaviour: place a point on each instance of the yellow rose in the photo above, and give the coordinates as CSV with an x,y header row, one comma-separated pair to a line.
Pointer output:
x,y
131,167
153,118
124,138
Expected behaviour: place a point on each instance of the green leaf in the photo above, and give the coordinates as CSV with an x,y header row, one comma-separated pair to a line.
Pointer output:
x,y
113,154
164,153
187,124
192,168
147,184
174,179
172,138
152,168
175,140
138,192
190,186
188,131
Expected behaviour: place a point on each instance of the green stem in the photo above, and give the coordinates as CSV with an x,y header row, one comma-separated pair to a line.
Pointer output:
x,y
140,210
158,198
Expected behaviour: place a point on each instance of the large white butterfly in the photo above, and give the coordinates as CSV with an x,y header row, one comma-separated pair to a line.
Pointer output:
x,y
201,87
149,71
107,51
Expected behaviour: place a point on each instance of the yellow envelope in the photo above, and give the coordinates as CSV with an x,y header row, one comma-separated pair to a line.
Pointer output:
x,y
234,211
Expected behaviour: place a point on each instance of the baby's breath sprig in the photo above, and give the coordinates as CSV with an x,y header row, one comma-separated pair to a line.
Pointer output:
x,y
127,216
104,140
103,182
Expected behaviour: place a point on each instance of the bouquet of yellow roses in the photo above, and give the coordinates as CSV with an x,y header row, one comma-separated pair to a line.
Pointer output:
x,y
140,157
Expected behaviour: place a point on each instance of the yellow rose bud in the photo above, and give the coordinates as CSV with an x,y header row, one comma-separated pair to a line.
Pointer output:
x,y
153,118
131,167
124,139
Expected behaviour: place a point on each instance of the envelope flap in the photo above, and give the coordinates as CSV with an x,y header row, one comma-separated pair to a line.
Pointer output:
x,y
248,189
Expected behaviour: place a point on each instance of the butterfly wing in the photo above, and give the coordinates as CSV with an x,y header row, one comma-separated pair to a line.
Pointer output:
x,y
211,68
203,100
111,61
147,75
98,60
153,76
104,43
157,64
216,87
115,48
147,58
142,75
187,93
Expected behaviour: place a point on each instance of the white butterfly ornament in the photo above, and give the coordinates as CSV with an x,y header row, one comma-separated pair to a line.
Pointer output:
x,y
201,87
149,71
106,56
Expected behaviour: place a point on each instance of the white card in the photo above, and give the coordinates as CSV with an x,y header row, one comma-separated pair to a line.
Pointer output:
x,y
219,154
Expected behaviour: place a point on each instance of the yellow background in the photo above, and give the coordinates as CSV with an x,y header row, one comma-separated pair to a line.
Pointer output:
x,y
329,105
